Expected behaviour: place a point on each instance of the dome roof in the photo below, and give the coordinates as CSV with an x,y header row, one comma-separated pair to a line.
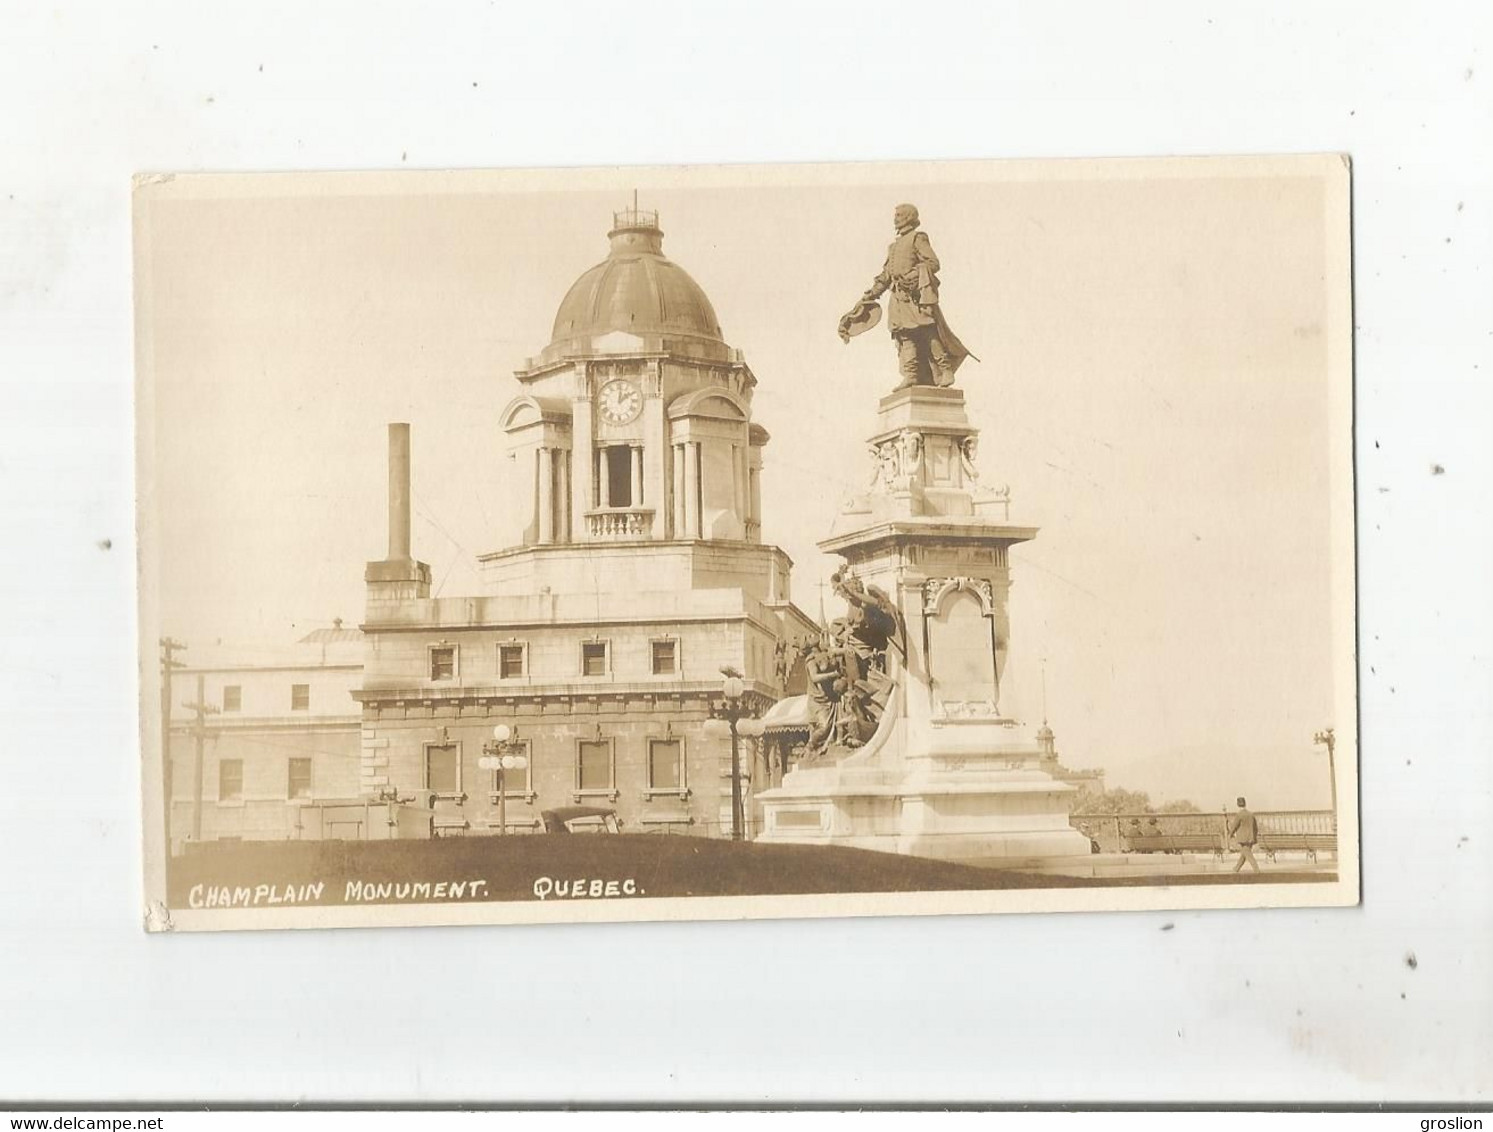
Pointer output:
x,y
637,291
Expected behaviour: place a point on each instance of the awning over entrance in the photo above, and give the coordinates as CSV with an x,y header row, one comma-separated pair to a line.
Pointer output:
x,y
791,714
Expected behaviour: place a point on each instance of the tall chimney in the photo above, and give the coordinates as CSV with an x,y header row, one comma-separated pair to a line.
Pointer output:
x,y
399,492
397,578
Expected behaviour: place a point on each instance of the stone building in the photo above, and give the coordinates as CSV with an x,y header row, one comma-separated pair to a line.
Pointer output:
x,y
278,739
601,638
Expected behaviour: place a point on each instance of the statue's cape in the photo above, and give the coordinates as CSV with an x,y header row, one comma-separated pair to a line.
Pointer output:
x,y
957,350
860,318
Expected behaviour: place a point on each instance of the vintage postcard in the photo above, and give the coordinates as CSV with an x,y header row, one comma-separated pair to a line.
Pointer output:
x,y
723,542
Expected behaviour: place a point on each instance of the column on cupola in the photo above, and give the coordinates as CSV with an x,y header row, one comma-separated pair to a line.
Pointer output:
x,y
691,488
539,437
544,475
739,479
657,456
600,477
677,523
562,495
757,440
582,472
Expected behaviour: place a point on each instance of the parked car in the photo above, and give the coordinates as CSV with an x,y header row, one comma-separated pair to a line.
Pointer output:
x,y
580,819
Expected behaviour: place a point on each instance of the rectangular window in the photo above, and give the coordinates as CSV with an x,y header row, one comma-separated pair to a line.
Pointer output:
x,y
515,780
233,697
618,471
593,767
510,661
665,658
300,779
443,662
665,765
593,658
443,769
300,697
230,780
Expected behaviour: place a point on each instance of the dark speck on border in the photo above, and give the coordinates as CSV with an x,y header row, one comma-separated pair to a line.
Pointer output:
x,y
105,543
1168,926
1411,961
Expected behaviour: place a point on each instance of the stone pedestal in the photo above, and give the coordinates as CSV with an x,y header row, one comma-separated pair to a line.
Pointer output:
x,y
946,774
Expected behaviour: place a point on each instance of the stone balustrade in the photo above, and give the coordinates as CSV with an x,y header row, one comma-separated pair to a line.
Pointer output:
x,y
620,523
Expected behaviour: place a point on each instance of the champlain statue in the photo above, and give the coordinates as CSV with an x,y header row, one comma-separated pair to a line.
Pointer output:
x,y
928,353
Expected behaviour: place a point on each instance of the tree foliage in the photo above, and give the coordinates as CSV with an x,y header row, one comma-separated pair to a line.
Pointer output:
x,y
1180,806
1115,801
1122,801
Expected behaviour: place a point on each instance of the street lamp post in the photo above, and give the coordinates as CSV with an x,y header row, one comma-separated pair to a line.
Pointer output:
x,y
734,720
495,757
1326,738
732,688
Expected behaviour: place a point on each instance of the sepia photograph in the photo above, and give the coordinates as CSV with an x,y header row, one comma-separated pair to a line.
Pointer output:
x,y
721,542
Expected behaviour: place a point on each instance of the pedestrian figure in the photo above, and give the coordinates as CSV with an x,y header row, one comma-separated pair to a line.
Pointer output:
x,y
1133,832
1153,829
1245,832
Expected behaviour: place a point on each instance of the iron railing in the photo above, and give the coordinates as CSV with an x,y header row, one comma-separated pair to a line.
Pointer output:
x,y
1112,831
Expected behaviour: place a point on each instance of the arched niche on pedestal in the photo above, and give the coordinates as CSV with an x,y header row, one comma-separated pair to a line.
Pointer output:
x,y
961,645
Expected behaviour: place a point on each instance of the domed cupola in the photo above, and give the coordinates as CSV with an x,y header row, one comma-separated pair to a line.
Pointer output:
x,y
636,300
636,419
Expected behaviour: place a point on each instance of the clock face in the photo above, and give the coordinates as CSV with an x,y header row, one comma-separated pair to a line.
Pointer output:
x,y
619,402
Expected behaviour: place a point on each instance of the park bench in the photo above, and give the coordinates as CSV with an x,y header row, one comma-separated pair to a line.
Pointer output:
x,y
1177,843
1313,843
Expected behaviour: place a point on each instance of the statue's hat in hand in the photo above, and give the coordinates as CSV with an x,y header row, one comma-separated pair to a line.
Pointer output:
x,y
861,318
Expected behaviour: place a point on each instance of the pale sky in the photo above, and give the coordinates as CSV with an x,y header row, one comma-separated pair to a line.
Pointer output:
x,y
1153,385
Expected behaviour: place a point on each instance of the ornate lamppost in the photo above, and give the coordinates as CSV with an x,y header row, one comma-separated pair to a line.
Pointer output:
x,y
497,756
1326,738
738,722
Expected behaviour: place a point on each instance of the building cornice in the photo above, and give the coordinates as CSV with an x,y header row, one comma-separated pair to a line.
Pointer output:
x,y
559,549
515,628
261,669
498,695
218,724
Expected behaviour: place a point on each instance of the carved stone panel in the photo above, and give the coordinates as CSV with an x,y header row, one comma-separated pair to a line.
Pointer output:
x,y
959,619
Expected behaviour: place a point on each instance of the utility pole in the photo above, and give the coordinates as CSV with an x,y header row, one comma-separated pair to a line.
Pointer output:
x,y
199,738
169,663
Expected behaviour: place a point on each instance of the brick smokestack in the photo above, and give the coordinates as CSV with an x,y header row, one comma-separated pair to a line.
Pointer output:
x,y
399,492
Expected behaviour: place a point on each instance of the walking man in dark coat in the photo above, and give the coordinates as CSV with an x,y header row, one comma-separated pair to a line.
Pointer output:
x,y
1245,831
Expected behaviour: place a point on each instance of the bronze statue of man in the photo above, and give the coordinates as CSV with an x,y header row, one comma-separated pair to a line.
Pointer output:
x,y
928,353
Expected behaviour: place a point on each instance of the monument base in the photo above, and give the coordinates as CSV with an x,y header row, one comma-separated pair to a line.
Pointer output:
x,y
971,792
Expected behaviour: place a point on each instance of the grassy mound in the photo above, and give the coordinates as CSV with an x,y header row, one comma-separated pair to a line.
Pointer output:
x,y
510,866
276,873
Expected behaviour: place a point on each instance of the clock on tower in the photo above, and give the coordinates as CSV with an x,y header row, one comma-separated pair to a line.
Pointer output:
x,y
619,402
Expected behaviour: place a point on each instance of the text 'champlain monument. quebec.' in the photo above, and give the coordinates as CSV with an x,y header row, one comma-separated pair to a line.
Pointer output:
x,y
636,661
